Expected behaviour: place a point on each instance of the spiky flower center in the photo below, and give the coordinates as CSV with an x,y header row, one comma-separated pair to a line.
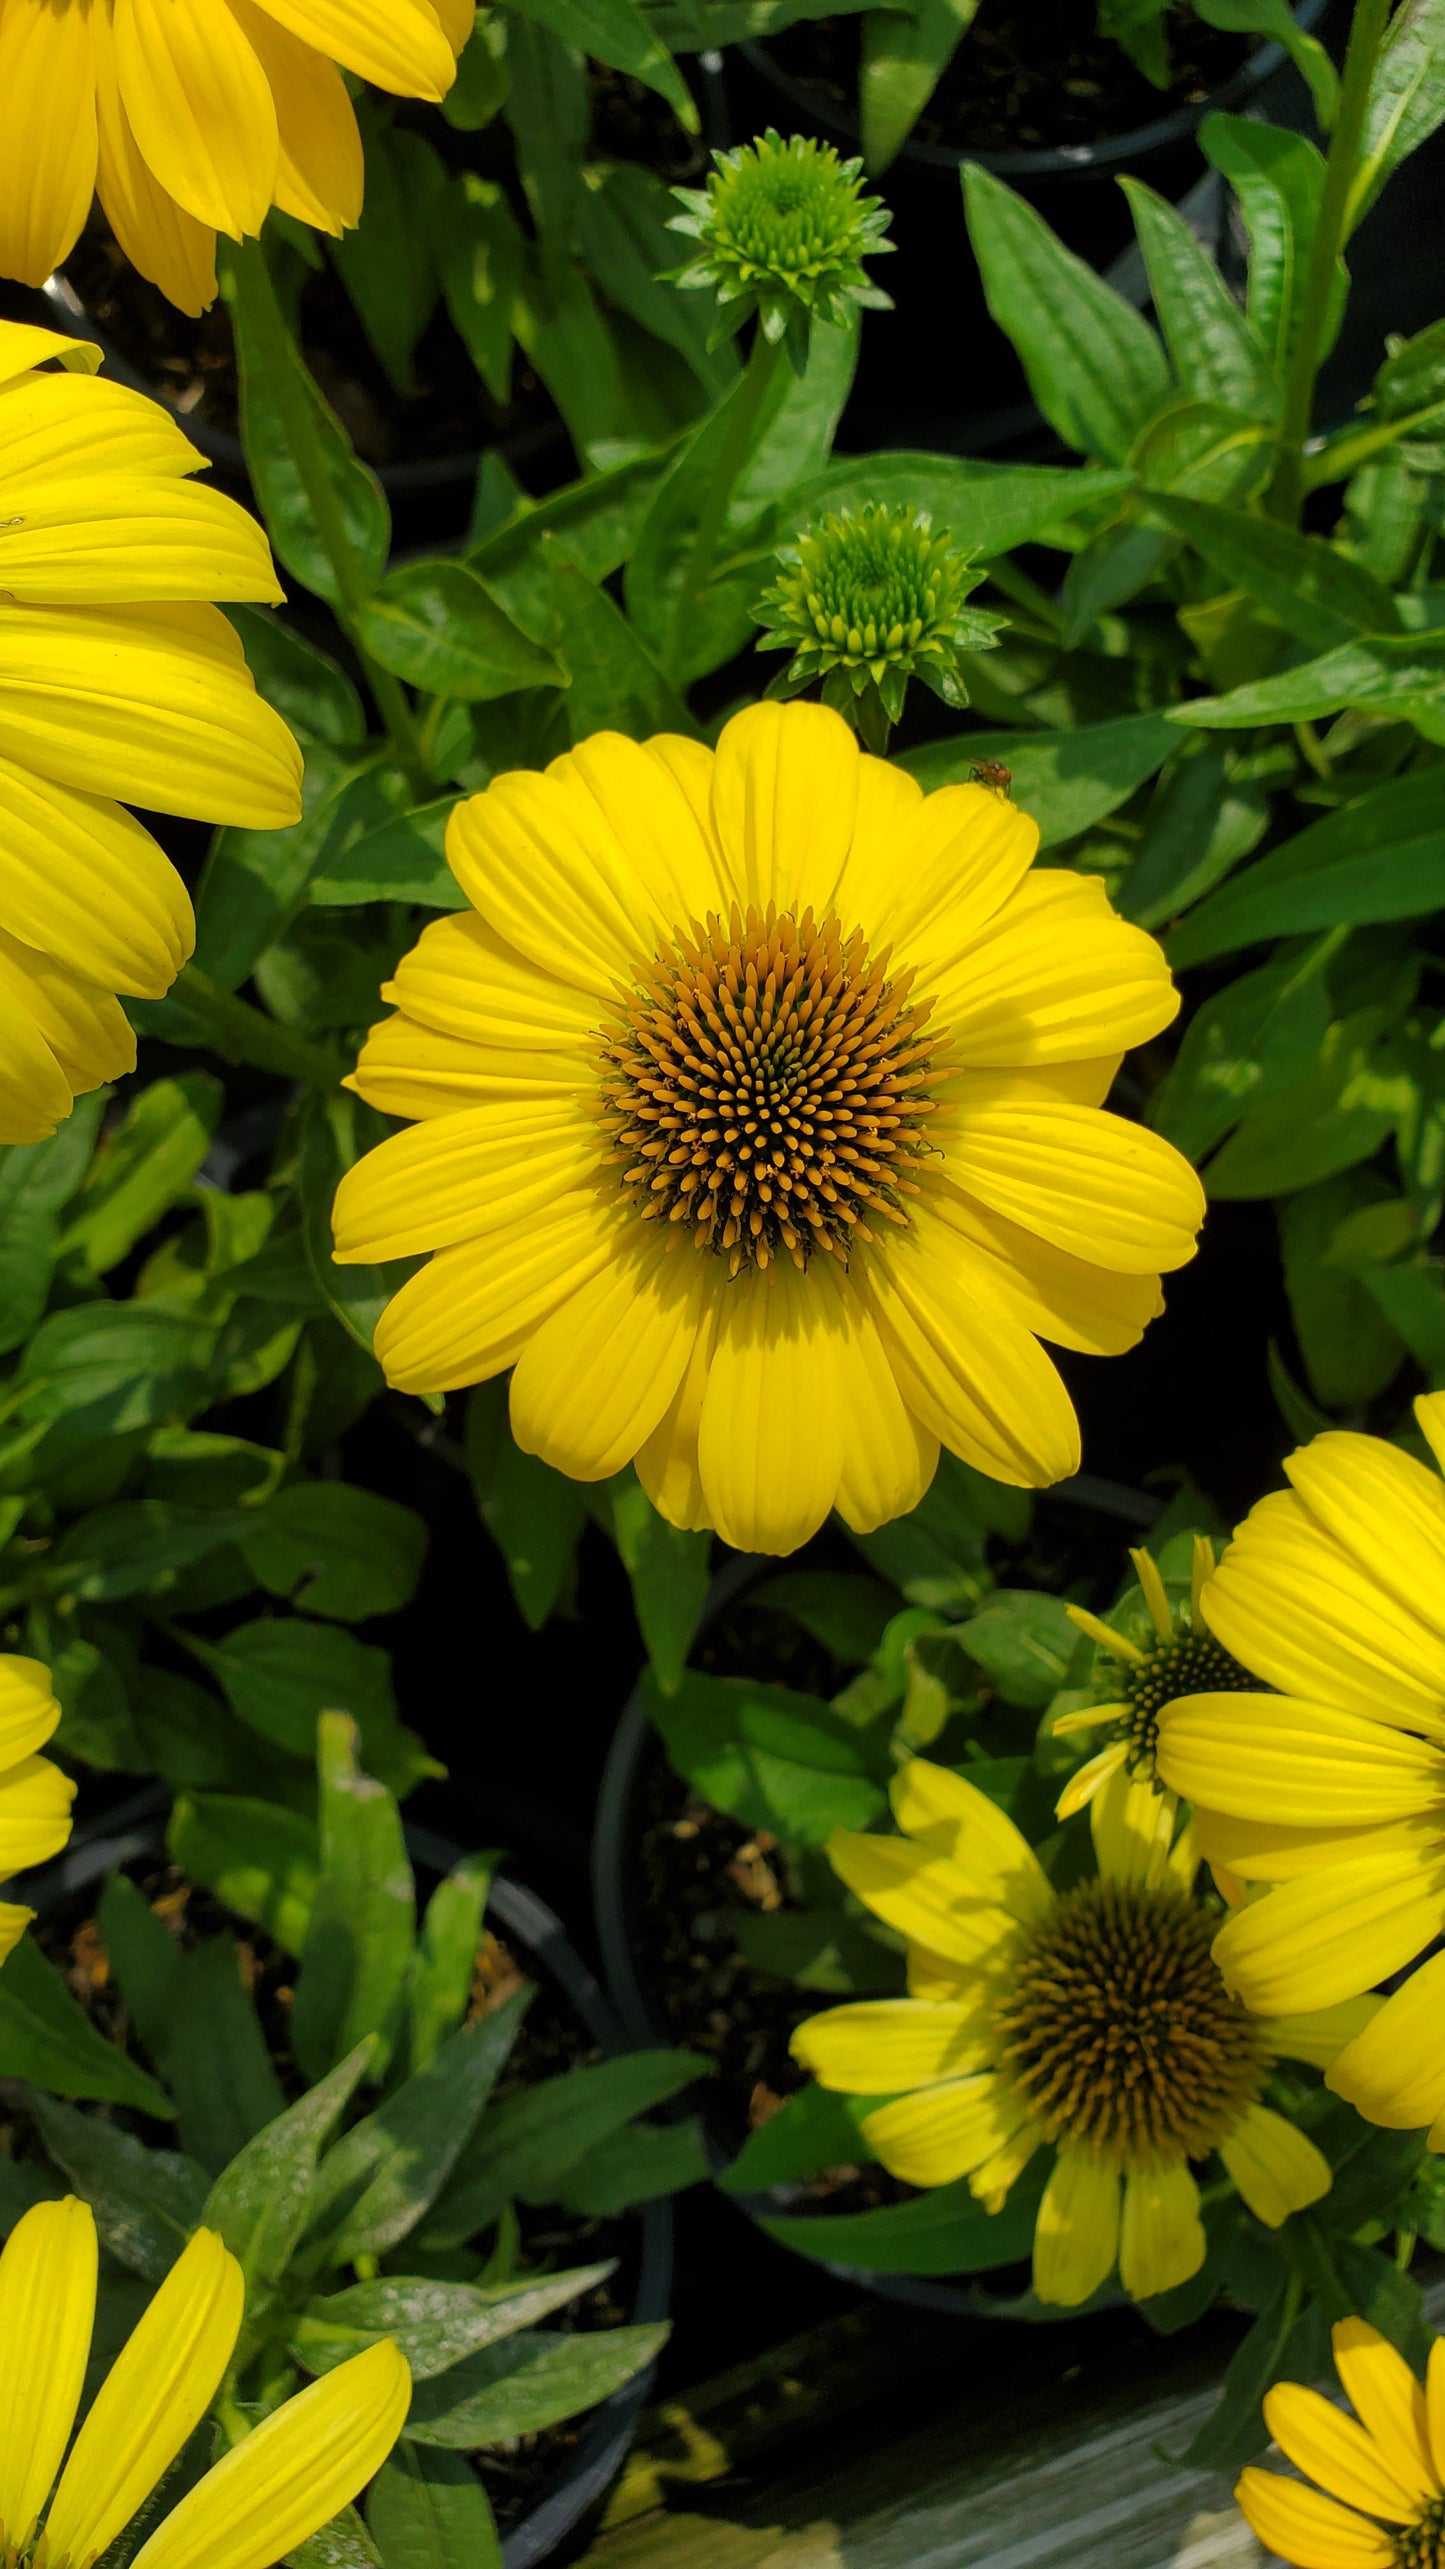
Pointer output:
x,y
790,211
765,1084
869,583
1421,2545
1119,2031
1192,1663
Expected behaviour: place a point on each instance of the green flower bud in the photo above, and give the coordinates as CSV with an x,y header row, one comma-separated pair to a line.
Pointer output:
x,y
783,230
867,600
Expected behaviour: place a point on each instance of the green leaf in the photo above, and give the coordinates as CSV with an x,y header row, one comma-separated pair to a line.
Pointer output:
x,y
142,1366
260,2202
637,2165
535,1514
1336,1113
359,1938
338,1551
987,508
1023,1641
385,259
37,1181
1357,673
529,2144
616,32
1301,582
146,2202
305,685
434,2324
770,1758
1407,98
529,2383
344,2543
905,54
1215,352
1278,178
943,2232
1351,1351
385,2173
616,685
258,1858
1382,857
435,625
1198,827
336,1131
479,91
279,1676
1064,780
214,2057
46,2037
1412,1299
428,2510
140,1169
844,1611
1094,366
145,1958
439,1985
1256,1036
290,519
137,1548
404,859
254,882
814,2130
668,1568
1276,19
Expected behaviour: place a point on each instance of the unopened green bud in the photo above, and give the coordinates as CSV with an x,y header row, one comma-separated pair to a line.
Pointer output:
x,y
783,229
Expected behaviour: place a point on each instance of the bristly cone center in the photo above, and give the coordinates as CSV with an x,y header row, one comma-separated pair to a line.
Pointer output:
x,y
765,1085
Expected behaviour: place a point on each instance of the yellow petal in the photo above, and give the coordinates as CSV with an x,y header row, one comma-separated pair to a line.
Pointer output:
x,y
79,877
148,704
1086,1780
1318,2438
1055,977
1077,2235
940,2133
462,979
1301,1612
1062,1298
13,1922
200,109
951,1818
889,1456
1132,1824
47,2306
539,858
320,169
125,539
48,419
397,43
1435,2404
770,1431
1161,2237
1387,1510
469,1312
1276,2168
35,1800
1101,1189
292,2474
926,875
457,1177
408,1069
1313,2531
994,2177
667,1464
1272,1851
965,1364
47,136
159,2387
598,1373
670,849
24,344
1393,2071
28,1709
923,1895
894,2043
35,1094
159,237
1331,1934
84,1027
1248,1754
1319,2037
784,803
1430,1413
1390,2405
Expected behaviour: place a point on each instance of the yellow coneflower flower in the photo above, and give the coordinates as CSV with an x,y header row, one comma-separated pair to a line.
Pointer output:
x,y
192,121
290,2476
1333,1790
35,1797
1384,2468
1091,2020
762,1130
118,679
1120,1784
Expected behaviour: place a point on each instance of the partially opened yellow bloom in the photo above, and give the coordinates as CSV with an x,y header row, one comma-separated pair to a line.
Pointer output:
x,y
1333,1790
119,683
761,1128
191,119
1092,2020
35,1797
1385,2475
285,2480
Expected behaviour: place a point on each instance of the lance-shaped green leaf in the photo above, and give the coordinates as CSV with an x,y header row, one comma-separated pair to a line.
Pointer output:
x,y
146,2202
529,2383
1278,178
1407,98
1064,780
1276,19
1381,857
37,1180
259,2203
1355,673
140,1169
530,2142
434,2324
1304,584
258,1857
47,2038
359,1937
290,518
428,2510
443,1966
1215,351
434,624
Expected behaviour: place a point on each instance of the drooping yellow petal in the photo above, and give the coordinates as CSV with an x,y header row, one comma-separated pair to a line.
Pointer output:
x,y
35,1095
597,1375
292,2474
35,1800
200,109
397,43
1276,2167
121,539
923,1895
1313,2531
1319,2037
47,135
83,1026
889,1456
941,2133
1298,1610
1091,1184
1247,1754
952,1819
886,2043
784,803
1161,2237
1061,1298
1318,2438
1393,2070
994,2178
1076,2238
1055,977
770,1431
320,167
1087,1779
28,1709
1132,1824
667,1464
159,2387
469,1311
80,877
45,418
1387,1510
24,344
47,2307
1332,1933
1390,2405
458,1177
159,237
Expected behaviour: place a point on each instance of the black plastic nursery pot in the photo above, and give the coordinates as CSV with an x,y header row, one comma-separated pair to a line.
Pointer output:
x,y
137,1829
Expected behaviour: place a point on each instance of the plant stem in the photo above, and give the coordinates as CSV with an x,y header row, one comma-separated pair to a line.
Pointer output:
x,y
1367,34
764,359
281,366
242,1033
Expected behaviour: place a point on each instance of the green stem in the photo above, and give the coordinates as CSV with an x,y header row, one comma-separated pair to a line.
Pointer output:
x,y
1367,34
764,359
281,368
241,1033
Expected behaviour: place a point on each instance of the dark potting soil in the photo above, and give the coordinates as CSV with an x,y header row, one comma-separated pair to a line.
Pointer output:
x,y
1028,77
552,2040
